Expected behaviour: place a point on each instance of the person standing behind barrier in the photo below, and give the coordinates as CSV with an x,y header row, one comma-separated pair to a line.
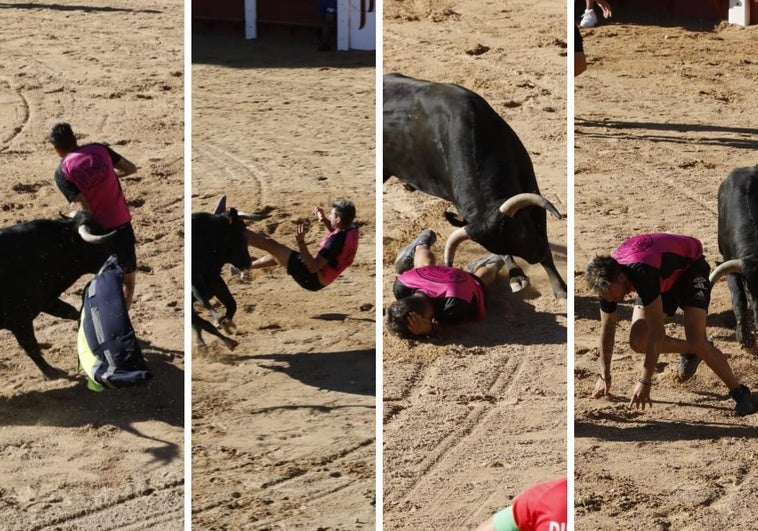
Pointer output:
x,y
589,18
580,60
327,9
542,507
88,176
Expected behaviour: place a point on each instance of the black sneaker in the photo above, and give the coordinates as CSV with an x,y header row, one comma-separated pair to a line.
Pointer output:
x,y
404,260
744,400
687,366
689,362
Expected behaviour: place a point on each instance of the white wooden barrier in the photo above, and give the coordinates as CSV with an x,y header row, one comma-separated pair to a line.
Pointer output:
x,y
356,25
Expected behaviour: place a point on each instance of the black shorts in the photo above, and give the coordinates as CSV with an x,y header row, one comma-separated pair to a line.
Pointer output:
x,y
299,271
693,289
123,246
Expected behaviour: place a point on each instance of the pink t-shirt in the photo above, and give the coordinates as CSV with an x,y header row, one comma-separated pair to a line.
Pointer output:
x,y
670,254
90,169
338,248
445,282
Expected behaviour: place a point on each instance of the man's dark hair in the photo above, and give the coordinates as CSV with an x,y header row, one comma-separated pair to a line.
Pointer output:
x,y
62,137
601,272
345,210
397,314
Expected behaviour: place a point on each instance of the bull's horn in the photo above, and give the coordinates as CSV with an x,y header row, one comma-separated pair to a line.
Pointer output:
x,y
519,201
251,217
730,266
457,237
220,207
88,237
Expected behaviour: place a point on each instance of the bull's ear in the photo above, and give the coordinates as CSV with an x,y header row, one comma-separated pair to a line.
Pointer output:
x,y
221,206
232,216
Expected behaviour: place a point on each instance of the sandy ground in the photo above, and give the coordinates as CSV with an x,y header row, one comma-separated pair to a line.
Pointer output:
x,y
478,414
69,458
283,428
665,111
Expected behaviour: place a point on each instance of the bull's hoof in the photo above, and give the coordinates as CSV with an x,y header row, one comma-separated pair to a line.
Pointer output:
x,y
51,373
230,343
517,284
225,324
746,339
517,279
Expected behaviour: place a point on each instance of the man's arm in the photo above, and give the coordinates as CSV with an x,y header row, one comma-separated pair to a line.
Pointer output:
x,y
80,202
607,341
502,521
313,264
654,319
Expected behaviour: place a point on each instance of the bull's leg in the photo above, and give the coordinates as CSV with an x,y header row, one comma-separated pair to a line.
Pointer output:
x,y
556,282
754,303
202,299
516,276
222,293
199,324
24,334
62,309
739,306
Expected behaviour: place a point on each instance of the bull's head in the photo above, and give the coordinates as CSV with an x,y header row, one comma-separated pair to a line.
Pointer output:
x,y
492,224
88,229
728,267
239,256
746,267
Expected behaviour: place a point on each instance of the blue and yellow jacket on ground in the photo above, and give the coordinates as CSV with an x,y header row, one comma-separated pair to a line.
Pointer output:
x,y
108,349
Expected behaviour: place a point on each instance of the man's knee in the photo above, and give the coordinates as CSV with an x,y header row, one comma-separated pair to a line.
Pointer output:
x,y
638,337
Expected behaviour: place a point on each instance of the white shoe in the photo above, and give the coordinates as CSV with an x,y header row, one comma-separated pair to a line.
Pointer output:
x,y
589,19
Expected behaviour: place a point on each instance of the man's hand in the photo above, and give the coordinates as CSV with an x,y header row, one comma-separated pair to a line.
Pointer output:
x,y
300,232
418,325
641,396
319,213
606,8
602,388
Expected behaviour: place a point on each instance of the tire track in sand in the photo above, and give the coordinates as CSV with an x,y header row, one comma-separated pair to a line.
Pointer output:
x,y
11,96
238,171
159,511
506,376
305,472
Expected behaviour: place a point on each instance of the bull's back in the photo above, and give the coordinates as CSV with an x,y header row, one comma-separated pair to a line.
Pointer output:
x,y
445,140
738,214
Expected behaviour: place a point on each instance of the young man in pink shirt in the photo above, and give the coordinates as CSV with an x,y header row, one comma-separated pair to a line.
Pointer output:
x,y
88,176
429,296
335,253
667,271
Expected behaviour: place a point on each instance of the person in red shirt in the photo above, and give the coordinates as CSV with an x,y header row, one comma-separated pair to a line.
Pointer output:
x,y
542,507
335,253
88,177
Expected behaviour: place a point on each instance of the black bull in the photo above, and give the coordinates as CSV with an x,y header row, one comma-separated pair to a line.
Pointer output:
x,y
217,239
738,244
447,141
40,260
